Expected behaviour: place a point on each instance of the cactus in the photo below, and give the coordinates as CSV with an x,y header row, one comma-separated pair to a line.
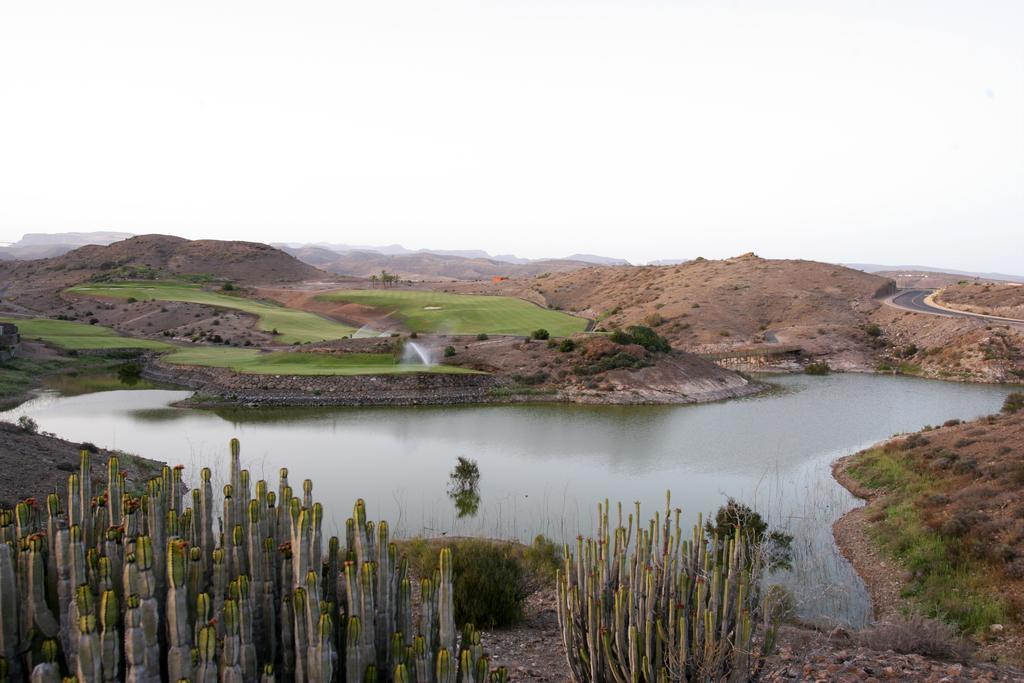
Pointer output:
x,y
141,588
664,609
9,612
47,671
110,636
89,662
206,654
179,632
230,656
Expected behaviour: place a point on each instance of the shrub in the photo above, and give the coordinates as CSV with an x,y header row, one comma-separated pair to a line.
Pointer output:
x,y
619,360
620,337
648,338
131,300
488,579
873,330
540,334
916,635
227,287
28,425
1013,402
654,320
817,368
449,351
567,346
481,337
777,545
531,380
543,559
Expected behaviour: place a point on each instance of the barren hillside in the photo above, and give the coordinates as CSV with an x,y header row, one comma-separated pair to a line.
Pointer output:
x,y
718,304
1004,300
35,285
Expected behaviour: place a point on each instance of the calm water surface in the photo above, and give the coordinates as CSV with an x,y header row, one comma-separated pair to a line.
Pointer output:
x,y
544,467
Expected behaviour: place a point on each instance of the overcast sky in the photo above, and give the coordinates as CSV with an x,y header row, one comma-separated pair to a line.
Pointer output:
x,y
884,131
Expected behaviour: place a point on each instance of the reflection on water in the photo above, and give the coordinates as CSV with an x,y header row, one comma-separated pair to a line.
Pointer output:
x,y
547,466
78,383
464,487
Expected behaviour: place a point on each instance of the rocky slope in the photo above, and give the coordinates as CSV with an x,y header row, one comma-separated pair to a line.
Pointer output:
x,y
35,465
945,497
1003,300
36,285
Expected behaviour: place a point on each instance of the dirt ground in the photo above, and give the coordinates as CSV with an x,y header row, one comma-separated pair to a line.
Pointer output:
x,y
36,465
984,488
1004,300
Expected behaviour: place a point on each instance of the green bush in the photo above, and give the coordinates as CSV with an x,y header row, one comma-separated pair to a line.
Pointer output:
x,y
449,351
620,337
567,346
619,360
648,338
482,336
642,335
540,334
489,578
817,368
873,330
543,559
1013,402
28,425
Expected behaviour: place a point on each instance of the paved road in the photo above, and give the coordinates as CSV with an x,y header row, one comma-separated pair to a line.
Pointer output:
x,y
914,300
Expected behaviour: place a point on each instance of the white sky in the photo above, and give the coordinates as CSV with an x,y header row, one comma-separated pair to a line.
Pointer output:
x,y
886,131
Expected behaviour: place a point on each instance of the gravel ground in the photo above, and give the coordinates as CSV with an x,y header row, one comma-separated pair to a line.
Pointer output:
x,y
35,465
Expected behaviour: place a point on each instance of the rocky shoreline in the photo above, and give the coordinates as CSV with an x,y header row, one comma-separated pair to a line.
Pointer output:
x,y
222,387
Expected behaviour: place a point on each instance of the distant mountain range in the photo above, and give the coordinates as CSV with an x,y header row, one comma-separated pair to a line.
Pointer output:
x,y
433,264
35,245
399,250
876,268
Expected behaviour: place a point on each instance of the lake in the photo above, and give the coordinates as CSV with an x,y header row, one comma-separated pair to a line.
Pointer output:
x,y
544,468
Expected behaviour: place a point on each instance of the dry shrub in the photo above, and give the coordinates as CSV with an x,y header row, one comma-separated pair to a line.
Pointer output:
x,y
916,635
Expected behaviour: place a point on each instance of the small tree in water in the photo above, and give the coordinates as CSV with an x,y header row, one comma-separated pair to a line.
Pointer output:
x,y
464,487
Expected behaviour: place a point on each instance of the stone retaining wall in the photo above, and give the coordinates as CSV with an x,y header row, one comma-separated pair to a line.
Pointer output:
x,y
321,390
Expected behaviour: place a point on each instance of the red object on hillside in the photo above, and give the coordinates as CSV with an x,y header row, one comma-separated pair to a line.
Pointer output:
x,y
498,278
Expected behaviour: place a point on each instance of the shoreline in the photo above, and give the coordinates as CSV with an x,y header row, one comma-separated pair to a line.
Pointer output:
x,y
881,576
217,387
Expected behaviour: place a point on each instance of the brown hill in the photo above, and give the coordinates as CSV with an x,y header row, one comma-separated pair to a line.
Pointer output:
x,y
35,285
1003,300
717,304
950,495
427,266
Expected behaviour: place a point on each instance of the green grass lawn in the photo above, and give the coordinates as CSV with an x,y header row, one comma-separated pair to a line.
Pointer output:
x,y
437,312
79,336
297,363
293,325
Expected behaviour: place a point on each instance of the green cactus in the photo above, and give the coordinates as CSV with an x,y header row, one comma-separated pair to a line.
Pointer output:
x,y
40,615
179,631
10,627
662,608
206,668
48,669
89,657
110,635
230,656
143,590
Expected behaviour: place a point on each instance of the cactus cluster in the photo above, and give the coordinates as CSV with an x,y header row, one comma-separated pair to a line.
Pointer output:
x,y
643,603
148,588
